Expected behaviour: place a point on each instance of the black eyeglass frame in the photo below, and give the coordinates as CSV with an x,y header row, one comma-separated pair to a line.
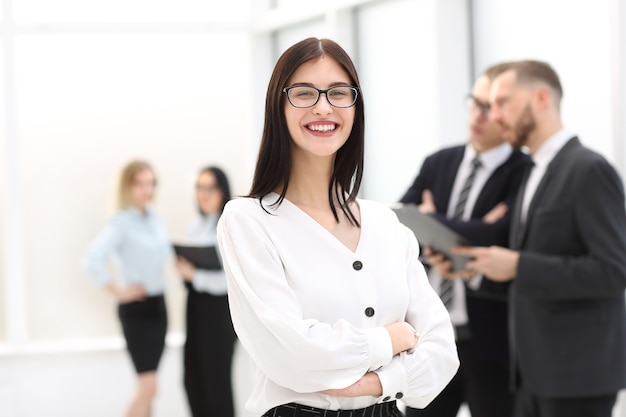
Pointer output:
x,y
483,108
319,94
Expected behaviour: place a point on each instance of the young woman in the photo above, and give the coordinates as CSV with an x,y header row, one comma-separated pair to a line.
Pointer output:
x,y
326,290
137,239
210,336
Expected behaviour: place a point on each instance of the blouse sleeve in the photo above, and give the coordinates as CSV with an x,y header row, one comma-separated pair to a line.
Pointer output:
x,y
303,355
94,262
419,376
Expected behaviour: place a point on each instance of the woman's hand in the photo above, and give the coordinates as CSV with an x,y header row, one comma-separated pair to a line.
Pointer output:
x,y
369,384
135,292
185,269
403,336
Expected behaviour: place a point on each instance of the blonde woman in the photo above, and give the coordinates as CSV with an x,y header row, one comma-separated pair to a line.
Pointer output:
x,y
136,239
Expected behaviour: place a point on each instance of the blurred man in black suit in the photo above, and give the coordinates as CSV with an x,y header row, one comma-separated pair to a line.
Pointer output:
x,y
471,188
567,262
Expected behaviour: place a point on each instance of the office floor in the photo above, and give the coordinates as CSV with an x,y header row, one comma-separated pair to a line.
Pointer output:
x,y
95,384
99,384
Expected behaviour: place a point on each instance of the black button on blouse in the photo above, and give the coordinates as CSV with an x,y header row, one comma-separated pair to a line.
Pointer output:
x,y
369,311
357,265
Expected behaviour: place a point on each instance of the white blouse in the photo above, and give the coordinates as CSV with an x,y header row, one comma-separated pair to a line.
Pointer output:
x,y
311,312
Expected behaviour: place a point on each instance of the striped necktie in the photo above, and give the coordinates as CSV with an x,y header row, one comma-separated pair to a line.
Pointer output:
x,y
446,289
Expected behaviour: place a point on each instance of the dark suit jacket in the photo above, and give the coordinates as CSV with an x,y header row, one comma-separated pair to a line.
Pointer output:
x,y
487,307
567,301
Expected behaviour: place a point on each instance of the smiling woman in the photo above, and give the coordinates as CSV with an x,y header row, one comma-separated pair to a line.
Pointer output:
x,y
392,337
315,114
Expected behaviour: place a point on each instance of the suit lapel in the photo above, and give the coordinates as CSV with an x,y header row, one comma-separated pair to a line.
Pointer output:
x,y
451,171
522,228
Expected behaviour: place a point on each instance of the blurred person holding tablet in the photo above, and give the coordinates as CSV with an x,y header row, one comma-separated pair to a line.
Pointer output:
x,y
210,338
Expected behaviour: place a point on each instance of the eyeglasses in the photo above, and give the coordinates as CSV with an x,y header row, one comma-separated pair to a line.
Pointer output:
x,y
303,97
475,104
207,188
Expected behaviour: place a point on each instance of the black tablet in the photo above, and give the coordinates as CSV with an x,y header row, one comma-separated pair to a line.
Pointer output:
x,y
432,233
202,257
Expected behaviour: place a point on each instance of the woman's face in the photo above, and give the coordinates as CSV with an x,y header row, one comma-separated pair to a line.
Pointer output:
x,y
142,189
320,130
209,195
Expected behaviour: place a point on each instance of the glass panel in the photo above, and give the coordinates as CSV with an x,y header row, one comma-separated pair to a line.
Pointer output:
x,y
586,106
89,103
81,11
393,152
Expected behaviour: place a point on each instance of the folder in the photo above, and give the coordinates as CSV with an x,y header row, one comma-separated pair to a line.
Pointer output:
x,y
432,233
202,257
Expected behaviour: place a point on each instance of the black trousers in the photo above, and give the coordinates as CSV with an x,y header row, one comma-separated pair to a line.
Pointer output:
x,y
388,409
530,405
481,382
208,355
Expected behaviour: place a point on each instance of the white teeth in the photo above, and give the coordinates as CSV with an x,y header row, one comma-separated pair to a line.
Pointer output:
x,y
322,128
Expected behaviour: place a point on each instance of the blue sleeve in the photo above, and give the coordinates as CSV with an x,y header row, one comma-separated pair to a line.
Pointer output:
x,y
94,261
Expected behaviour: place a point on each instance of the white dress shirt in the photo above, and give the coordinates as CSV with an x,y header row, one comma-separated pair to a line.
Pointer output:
x,y
311,312
204,232
542,158
490,160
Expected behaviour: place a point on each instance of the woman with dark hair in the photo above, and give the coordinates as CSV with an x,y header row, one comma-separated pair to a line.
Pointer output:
x,y
326,291
137,239
210,336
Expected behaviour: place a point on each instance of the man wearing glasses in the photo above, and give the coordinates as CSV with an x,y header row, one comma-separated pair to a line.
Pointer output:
x,y
566,264
471,188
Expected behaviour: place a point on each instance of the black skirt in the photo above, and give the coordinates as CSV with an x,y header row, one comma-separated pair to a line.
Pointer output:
x,y
144,324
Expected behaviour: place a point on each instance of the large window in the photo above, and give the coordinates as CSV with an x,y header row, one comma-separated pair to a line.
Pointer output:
x,y
414,92
587,106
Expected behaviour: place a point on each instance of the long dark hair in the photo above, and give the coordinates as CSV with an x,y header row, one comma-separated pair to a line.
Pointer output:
x,y
274,160
222,184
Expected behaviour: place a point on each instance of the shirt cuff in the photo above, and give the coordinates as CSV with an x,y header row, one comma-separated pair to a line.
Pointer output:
x,y
380,349
393,380
474,282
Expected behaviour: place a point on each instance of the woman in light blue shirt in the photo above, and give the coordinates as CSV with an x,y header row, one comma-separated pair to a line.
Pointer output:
x,y
210,336
136,239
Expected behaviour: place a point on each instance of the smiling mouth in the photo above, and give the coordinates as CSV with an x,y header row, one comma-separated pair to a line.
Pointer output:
x,y
326,127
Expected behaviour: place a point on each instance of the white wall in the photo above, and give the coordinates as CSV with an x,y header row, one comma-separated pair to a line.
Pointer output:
x,y
414,73
618,55
90,91
3,186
